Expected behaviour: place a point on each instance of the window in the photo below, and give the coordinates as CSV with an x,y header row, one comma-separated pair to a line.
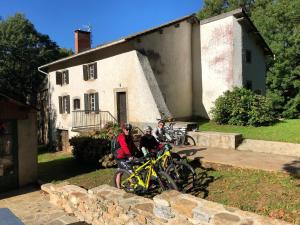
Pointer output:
x,y
64,104
91,102
76,104
248,56
90,71
62,77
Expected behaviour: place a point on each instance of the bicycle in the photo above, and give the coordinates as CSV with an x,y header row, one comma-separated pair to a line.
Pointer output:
x,y
146,177
177,136
181,172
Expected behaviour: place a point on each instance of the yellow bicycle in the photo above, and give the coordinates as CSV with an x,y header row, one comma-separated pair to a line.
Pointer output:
x,y
146,176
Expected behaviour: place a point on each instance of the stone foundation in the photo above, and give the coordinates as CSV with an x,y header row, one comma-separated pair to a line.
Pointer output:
x,y
111,206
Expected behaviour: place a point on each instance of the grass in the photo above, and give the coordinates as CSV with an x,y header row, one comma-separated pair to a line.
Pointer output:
x,y
284,131
265,193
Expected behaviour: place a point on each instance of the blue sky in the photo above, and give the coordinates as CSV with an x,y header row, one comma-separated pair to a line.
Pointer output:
x,y
110,19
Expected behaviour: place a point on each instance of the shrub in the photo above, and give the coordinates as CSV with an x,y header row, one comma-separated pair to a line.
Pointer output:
x,y
243,107
87,149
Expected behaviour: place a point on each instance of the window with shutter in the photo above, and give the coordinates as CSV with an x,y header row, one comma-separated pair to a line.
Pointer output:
x,y
58,78
90,71
91,102
64,104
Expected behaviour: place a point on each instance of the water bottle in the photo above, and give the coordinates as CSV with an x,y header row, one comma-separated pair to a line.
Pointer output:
x,y
145,151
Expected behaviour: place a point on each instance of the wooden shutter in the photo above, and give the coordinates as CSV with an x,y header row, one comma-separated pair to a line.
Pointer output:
x,y
95,70
85,72
96,102
59,78
68,104
67,76
60,104
86,103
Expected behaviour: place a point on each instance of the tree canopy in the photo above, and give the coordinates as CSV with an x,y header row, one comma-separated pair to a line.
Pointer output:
x,y
279,23
22,50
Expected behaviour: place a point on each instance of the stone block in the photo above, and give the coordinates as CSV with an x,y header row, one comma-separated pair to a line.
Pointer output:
x,y
164,212
184,207
224,218
201,215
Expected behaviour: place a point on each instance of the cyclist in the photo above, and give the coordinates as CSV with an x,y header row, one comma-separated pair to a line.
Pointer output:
x,y
126,149
148,142
159,132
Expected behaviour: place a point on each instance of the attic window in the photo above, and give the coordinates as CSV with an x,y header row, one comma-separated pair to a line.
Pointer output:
x,y
177,25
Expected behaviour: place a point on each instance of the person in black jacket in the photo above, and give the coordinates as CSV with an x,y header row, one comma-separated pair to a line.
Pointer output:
x,y
148,143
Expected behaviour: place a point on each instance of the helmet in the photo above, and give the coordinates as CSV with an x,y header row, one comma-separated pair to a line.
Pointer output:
x,y
161,121
148,128
127,126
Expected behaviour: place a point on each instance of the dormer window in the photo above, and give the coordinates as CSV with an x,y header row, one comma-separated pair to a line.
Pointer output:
x,y
62,77
90,71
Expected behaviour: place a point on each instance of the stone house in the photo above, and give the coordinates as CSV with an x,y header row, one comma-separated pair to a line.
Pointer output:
x,y
177,69
18,144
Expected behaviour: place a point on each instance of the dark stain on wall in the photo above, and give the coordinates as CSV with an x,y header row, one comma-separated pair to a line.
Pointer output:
x,y
154,59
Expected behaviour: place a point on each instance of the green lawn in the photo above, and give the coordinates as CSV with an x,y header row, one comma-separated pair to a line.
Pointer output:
x,y
285,131
265,193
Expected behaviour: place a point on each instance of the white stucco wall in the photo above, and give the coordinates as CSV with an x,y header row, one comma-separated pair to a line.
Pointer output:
x,y
217,59
170,57
123,72
256,70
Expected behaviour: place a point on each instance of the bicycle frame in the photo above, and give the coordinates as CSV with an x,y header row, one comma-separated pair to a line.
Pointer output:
x,y
149,167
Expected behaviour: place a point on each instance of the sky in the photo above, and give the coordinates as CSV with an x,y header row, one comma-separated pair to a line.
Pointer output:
x,y
109,20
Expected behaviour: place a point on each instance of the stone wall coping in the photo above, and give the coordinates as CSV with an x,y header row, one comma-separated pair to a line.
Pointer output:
x,y
215,133
108,205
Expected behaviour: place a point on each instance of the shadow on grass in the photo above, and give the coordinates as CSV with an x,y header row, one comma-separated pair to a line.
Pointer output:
x,y
203,179
293,168
62,169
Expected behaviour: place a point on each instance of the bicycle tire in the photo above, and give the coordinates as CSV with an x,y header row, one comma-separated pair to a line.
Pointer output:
x,y
183,174
166,182
126,188
189,140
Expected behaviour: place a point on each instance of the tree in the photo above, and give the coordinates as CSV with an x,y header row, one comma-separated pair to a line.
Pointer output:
x,y
279,23
22,50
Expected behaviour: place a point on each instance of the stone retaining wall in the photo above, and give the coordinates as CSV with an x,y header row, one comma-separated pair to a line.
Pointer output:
x,y
216,139
110,206
280,148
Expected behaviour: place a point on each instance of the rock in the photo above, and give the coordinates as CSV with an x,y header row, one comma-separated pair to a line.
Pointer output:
x,y
225,219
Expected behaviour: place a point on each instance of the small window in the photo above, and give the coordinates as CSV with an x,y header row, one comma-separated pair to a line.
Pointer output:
x,y
76,104
90,71
248,56
92,102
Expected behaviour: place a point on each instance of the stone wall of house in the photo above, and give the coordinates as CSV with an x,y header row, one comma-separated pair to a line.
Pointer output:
x,y
108,205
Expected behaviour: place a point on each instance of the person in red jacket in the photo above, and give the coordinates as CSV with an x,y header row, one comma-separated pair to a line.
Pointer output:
x,y
126,150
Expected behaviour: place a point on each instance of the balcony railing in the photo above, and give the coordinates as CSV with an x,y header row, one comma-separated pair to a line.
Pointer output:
x,y
91,120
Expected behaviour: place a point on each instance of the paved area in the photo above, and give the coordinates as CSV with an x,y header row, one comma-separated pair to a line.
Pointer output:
x,y
33,208
244,159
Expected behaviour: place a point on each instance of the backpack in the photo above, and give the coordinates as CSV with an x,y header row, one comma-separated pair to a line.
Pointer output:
x,y
114,145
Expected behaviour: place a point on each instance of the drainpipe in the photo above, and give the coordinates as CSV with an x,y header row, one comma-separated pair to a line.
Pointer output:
x,y
49,107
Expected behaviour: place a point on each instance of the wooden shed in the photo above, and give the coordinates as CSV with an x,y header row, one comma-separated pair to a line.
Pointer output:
x,y
18,144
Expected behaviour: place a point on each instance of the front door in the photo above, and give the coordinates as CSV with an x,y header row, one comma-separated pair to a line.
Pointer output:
x,y
8,155
121,107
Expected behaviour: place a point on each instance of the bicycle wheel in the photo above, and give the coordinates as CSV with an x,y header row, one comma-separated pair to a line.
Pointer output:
x,y
183,174
165,182
188,140
125,183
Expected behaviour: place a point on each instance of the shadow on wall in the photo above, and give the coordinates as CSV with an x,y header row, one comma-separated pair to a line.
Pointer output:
x,y
293,168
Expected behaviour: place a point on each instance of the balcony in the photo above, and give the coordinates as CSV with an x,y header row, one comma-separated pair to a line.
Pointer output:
x,y
83,120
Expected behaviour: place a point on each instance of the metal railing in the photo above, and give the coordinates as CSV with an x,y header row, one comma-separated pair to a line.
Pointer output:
x,y
94,120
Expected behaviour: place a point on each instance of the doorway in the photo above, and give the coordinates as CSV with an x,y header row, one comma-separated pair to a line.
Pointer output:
x,y
121,107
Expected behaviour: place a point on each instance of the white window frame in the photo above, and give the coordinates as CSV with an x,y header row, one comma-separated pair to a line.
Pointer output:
x,y
64,104
63,77
92,101
91,71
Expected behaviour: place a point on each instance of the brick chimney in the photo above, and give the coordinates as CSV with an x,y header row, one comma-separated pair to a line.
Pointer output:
x,y
82,40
